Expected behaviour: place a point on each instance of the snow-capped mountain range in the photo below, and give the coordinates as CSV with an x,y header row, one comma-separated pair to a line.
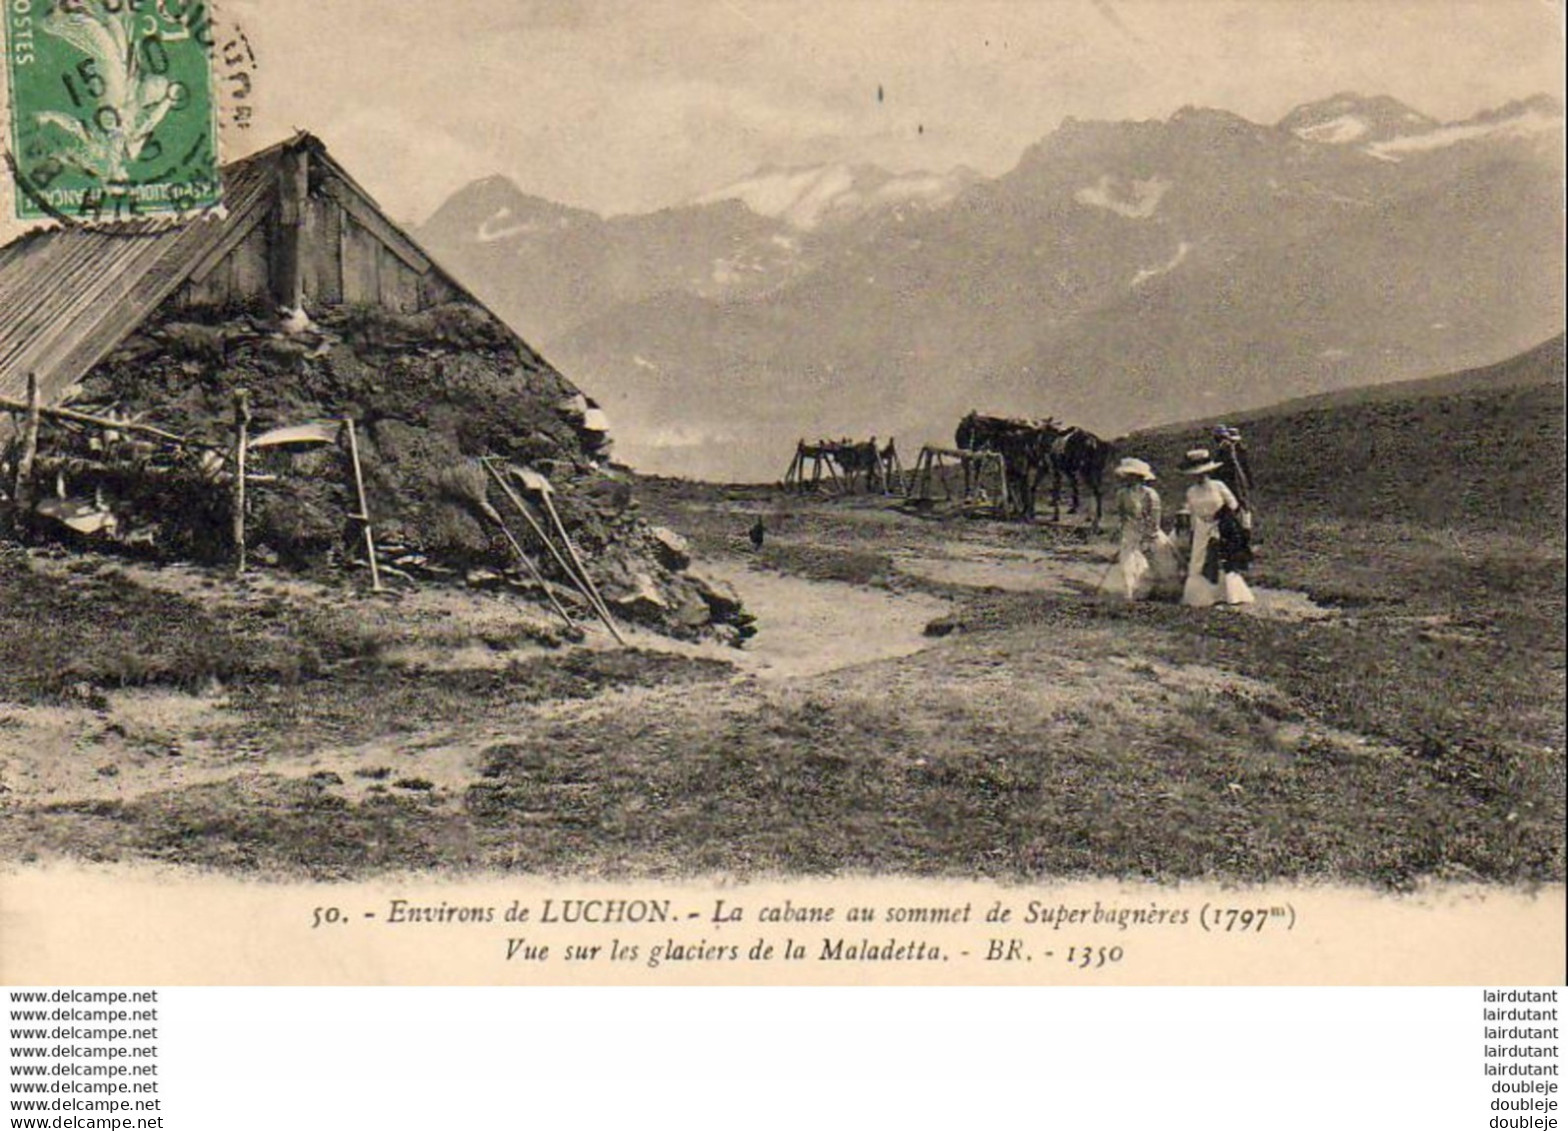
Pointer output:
x,y
820,196
1122,274
1386,128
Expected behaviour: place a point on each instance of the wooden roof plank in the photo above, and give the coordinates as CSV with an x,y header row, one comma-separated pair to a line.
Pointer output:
x,y
367,217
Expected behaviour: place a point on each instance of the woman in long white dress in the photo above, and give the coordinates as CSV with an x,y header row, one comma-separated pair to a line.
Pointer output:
x,y
1207,497
1146,556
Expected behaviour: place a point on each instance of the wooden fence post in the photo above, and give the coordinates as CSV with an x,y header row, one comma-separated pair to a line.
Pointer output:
x,y
22,488
241,443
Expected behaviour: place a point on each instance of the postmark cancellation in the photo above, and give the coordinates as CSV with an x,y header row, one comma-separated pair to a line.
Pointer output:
x,y
113,113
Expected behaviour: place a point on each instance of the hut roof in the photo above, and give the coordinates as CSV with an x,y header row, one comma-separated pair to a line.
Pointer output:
x,y
70,294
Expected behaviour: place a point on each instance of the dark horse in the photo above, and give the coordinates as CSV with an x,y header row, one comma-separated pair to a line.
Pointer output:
x,y
859,458
1080,457
1025,448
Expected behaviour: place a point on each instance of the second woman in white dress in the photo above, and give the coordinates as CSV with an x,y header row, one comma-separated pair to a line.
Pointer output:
x,y
1209,581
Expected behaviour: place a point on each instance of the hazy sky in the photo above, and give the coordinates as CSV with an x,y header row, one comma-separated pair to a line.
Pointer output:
x,y
643,103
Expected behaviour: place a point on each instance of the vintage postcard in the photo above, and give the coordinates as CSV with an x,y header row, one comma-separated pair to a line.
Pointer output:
x,y
739,492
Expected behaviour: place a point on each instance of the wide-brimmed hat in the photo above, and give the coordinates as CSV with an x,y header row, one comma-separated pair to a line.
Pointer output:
x,y
1198,461
1138,467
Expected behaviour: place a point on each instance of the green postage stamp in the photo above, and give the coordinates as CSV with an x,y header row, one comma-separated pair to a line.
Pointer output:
x,y
112,108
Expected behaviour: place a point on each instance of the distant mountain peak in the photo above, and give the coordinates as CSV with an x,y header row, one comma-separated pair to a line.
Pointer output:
x,y
1349,100
808,197
1209,117
495,208
497,188
495,182
1351,118
1545,105
1386,128
1529,119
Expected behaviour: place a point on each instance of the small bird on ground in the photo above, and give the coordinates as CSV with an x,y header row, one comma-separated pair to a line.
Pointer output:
x,y
757,532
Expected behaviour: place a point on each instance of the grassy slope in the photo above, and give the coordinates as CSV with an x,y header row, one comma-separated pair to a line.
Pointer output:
x,y
97,630
1542,365
1480,450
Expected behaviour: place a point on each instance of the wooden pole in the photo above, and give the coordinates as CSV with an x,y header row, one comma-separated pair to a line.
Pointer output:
x,y
537,483
582,570
241,443
105,422
533,571
895,471
533,524
293,207
364,507
22,489
589,589
585,587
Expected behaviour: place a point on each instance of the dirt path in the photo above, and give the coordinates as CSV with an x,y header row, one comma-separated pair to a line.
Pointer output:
x,y
142,741
1064,571
810,627
1013,570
